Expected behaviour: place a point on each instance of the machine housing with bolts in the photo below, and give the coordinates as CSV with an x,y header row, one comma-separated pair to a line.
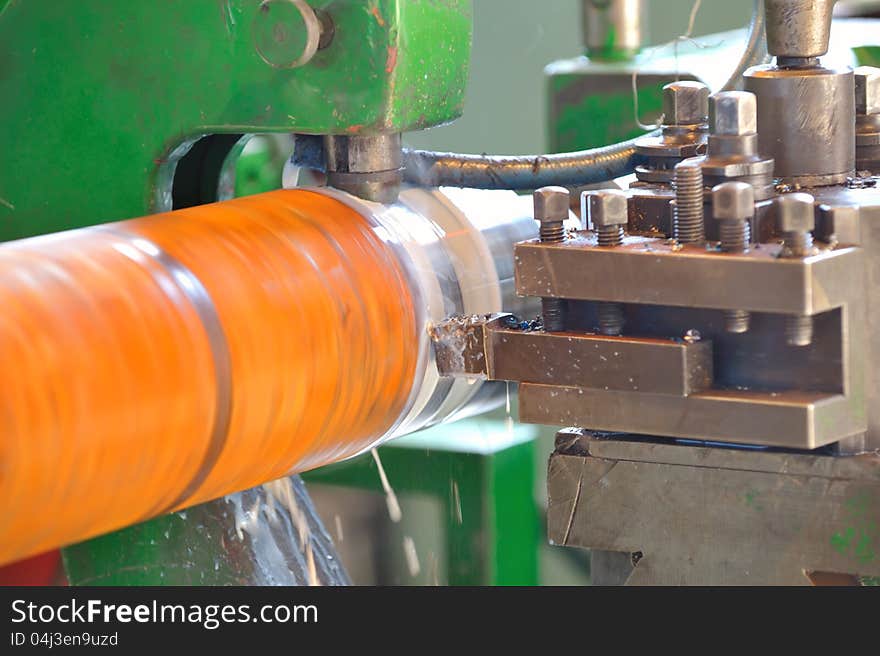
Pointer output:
x,y
708,333
751,301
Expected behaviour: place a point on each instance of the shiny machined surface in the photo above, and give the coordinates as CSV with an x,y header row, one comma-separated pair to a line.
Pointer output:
x,y
798,29
806,122
462,259
368,167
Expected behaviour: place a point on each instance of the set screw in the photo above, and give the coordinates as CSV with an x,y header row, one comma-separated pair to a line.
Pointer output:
x,y
608,213
551,210
733,206
796,218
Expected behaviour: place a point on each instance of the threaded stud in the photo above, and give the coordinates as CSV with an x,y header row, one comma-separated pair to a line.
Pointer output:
x,y
795,216
688,213
553,313
551,210
798,244
552,232
608,212
610,235
735,236
611,318
798,330
737,321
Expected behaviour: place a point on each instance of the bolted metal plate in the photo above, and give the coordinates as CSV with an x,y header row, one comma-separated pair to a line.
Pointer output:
x,y
658,272
795,419
660,366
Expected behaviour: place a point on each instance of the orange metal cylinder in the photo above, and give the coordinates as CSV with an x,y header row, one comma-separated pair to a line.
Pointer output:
x,y
156,363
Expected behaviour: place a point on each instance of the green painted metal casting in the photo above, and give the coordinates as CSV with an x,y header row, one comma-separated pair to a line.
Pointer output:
x,y
99,100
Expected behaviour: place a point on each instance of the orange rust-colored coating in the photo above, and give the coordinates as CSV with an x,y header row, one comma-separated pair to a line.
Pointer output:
x,y
156,363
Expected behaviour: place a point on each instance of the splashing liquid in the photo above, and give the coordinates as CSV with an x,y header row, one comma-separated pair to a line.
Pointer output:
x,y
390,497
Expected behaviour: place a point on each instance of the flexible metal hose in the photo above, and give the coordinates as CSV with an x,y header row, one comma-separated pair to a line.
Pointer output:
x,y
432,169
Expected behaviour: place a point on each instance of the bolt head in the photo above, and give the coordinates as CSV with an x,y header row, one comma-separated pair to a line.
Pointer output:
x,y
551,204
867,90
685,103
733,200
839,223
607,207
734,113
795,213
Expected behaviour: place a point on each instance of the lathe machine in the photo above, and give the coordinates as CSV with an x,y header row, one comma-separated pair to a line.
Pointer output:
x,y
705,330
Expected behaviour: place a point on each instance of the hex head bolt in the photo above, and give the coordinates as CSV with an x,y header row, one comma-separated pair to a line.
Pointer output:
x,y
551,211
685,124
687,217
734,114
796,219
685,104
733,206
608,214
